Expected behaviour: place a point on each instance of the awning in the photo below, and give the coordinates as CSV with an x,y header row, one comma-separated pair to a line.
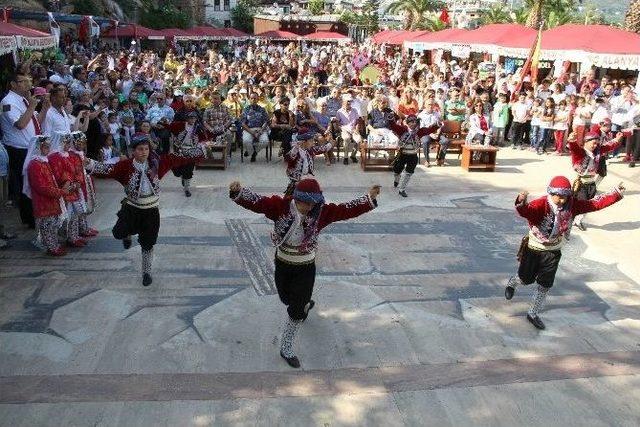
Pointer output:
x,y
327,36
27,38
279,35
135,31
599,45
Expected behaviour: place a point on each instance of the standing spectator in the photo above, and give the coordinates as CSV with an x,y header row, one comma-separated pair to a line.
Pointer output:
x,y
19,124
560,126
520,113
4,171
546,125
500,119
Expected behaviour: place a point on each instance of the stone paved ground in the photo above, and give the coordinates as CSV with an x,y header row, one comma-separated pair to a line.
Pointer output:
x,y
410,328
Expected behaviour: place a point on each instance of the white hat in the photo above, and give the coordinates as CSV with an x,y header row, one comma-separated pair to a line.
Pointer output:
x,y
178,92
243,90
232,90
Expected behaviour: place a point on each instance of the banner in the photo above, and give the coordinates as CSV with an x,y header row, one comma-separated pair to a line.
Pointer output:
x,y
36,43
7,45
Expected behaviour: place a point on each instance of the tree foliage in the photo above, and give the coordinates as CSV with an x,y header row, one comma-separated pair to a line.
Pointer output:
x,y
242,15
367,19
316,7
162,15
86,7
414,10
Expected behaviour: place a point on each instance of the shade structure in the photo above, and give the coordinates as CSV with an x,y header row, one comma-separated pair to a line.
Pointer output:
x,y
399,38
327,36
488,37
380,37
434,40
278,35
135,31
26,38
599,45
234,33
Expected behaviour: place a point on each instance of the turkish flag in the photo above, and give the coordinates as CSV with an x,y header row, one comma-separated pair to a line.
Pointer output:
x,y
444,16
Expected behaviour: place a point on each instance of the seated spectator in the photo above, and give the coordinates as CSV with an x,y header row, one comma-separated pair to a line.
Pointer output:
x,y
381,118
348,119
479,126
255,125
283,124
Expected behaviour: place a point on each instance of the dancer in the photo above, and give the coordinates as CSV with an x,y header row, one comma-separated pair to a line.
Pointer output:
x,y
297,222
140,177
589,162
47,197
189,134
549,225
77,156
407,157
64,171
300,158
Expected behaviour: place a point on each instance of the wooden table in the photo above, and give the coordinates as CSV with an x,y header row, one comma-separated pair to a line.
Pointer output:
x,y
218,159
479,157
368,163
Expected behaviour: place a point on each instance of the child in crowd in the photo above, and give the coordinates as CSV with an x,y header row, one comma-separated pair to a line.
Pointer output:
x,y
109,153
560,126
500,117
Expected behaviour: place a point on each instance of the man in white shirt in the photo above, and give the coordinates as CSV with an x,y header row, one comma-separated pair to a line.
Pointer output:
x,y
61,74
19,125
56,120
520,113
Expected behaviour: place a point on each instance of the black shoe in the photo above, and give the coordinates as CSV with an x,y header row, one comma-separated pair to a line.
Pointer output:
x,y
253,157
513,147
395,183
345,161
187,193
354,159
126,242
292,361
403,193
246,153
508,292
146,279
632,164
581,226
536,321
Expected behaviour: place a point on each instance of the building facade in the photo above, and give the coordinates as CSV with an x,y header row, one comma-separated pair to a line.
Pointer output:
x,y
218,12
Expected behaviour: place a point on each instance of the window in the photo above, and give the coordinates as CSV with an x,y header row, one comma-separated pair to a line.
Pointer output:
x,y
227,4
227,23
216,5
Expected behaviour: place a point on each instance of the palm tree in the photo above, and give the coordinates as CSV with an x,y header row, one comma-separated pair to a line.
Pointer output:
x,y
414,10
540,10
495,15
632,18
430,23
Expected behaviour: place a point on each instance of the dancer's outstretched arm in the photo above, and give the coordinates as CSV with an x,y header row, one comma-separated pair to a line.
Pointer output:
x,y
269,206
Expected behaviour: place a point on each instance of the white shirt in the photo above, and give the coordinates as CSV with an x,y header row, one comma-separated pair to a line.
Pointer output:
x,y
520,111
56,122
12,107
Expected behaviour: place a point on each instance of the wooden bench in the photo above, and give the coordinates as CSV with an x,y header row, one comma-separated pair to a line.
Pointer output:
x,y
452,130
479,157
369,163
219,157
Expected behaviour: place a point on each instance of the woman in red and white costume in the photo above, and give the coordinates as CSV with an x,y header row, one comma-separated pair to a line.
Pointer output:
x,y
48,198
